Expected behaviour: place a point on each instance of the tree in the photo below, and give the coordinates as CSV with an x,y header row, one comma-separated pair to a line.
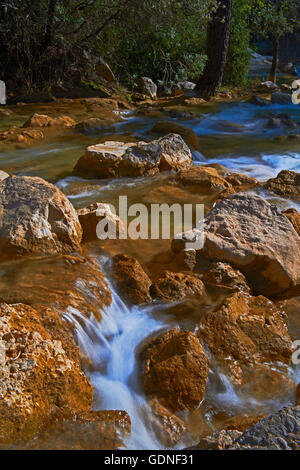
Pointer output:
x,y
273,19
217,41
238,56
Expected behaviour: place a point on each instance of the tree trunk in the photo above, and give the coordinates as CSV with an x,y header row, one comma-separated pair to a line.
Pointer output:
x,y
272,76
217,41
47,40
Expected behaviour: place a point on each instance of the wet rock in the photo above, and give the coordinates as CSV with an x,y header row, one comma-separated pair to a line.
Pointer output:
x,y
241,422
221,440
183,87
40,373
245,334
227,126
240,181
281,98
147,87
258,101
93,430
252,235
170,287
279,431
267,87
93,126
117,159
175,370
36,217
224,275
42,120
73,284
90,216
3,175
21,137
195,101
131,280
167,127
281,120
139,97
168,427
205,180
286,184
294,217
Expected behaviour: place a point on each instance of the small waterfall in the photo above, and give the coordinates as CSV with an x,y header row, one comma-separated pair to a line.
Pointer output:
x,y
110,345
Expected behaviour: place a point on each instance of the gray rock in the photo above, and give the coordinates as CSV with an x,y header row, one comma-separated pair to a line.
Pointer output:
x,y
252,235
118,159
279,431
147,87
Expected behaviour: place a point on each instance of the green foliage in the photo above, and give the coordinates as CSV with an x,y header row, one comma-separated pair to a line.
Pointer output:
x,y
238,57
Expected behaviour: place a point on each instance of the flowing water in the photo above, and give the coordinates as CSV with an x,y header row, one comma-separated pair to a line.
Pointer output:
x,y
112,345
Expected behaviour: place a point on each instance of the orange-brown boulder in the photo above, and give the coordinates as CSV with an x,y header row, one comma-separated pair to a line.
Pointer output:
x,y
175,370
36,217
42,120
40,372
168,427
92,430
131,280
72,283
90,216
204,180
169,286
286,184
245,333
252,235
294,217
224,275
21,137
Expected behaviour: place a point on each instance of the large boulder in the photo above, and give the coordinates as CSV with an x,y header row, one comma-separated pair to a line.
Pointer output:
x,y
176,370
36,217
170,287
204,180
118,159
39,370
244,335
188,135
147,87
131,280
72,283
252,235
278,431
286,184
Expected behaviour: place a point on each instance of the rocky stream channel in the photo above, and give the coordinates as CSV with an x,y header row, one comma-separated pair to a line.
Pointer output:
x,y
141,344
